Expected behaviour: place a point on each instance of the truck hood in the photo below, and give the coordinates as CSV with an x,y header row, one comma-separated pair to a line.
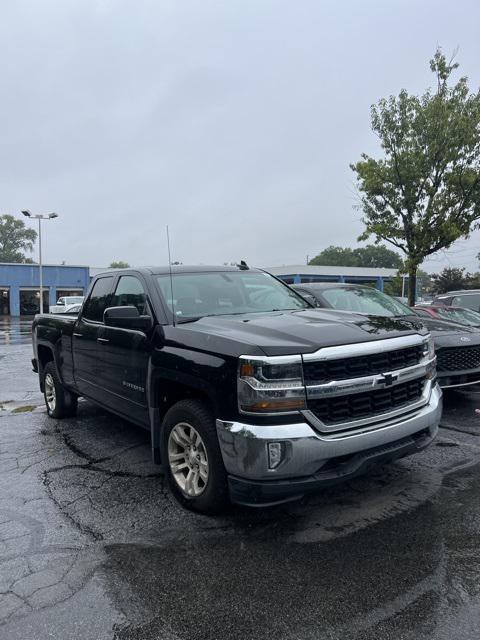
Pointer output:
x,y
290,332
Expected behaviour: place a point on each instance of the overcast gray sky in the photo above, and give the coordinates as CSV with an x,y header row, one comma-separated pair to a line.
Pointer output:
x,y
232,121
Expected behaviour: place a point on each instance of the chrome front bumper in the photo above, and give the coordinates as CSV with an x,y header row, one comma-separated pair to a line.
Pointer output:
x,y
305,451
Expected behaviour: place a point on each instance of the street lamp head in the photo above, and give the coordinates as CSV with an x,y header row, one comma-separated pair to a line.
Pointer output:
x,y
27,213
53,215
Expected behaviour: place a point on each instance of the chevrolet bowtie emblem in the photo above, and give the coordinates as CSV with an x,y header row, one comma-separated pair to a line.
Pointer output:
x,y
388,379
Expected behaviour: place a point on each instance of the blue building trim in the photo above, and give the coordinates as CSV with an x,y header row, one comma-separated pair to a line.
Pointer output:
x,y
298,278
15,277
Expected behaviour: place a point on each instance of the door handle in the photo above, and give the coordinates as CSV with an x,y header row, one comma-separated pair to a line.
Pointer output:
x,y
78,335
103,340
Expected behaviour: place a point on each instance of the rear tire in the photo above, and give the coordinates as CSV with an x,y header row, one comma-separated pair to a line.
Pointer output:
x,y
60,402
193,460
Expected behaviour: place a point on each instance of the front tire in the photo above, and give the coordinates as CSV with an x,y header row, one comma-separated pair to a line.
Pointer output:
x,y
193,459
60,402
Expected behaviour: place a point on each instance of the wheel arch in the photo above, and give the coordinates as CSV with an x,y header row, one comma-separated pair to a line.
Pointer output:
x,y
163,394
45,355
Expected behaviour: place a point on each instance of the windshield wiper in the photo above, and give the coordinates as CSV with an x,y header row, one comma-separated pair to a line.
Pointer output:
x,y
239,313
185,320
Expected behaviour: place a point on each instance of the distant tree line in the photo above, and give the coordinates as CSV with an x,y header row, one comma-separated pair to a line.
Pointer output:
x,y
453,278
373,255
449,279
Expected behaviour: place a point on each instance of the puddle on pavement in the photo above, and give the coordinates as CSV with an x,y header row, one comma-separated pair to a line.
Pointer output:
x,y
416,571
396,547
15,330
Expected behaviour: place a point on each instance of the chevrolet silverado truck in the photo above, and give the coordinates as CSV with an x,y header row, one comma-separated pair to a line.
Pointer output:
x,y
249,393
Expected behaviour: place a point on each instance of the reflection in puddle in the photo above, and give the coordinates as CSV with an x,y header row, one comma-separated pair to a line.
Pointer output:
x,y
15,330
408,575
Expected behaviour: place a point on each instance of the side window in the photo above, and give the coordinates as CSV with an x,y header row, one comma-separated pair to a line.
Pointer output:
x,y
97,302
130,293
469,301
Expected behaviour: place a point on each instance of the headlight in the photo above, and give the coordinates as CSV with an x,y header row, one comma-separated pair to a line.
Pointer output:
x,y
429,354
428,349
270,385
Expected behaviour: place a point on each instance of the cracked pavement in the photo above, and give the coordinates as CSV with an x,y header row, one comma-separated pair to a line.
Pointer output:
x,y
92,546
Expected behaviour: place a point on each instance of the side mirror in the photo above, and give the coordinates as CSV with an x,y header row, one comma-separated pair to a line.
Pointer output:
x,y
126,318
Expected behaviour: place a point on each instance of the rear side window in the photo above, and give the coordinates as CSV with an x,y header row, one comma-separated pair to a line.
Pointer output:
x,y
446,301
469,301
97,302
130,293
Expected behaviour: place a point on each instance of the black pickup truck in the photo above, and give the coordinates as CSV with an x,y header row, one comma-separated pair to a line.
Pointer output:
x,y
249,393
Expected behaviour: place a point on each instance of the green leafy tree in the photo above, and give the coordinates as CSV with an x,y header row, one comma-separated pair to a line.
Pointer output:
x,y
449,279
336,257
425,192
370,256
15,239
378,256
119,264
473,282
394,287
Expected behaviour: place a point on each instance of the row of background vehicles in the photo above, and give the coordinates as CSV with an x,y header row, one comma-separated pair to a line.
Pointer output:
x,y
456,339
253,391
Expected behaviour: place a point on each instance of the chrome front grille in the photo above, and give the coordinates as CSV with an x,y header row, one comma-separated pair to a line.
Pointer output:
x,y
372,403
378,382
360,366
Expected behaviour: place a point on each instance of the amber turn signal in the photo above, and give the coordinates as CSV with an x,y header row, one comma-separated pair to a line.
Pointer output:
x,y
247,370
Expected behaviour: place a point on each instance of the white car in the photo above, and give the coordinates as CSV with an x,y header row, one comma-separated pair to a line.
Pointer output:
x,y
65,303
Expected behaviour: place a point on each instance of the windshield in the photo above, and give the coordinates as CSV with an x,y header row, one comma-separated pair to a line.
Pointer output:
x,y
226,292
365,300
463,316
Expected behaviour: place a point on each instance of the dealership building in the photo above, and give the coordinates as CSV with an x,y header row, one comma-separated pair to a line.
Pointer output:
x,y
20,283
296,274
20,286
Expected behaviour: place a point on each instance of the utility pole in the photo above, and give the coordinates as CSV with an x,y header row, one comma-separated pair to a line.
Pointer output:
x,y
40,217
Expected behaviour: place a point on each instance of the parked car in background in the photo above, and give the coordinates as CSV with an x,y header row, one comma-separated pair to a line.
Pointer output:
x,y
247,391
65,302
452,314
457,346
466,298
74,310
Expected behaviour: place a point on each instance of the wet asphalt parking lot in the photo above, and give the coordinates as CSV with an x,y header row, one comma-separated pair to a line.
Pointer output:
x,y
92,546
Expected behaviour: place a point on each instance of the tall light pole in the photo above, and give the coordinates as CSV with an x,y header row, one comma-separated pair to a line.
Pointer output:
x,y
40,217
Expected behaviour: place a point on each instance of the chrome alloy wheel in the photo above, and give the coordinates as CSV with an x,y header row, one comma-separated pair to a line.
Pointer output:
x,y
50,394
188,459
